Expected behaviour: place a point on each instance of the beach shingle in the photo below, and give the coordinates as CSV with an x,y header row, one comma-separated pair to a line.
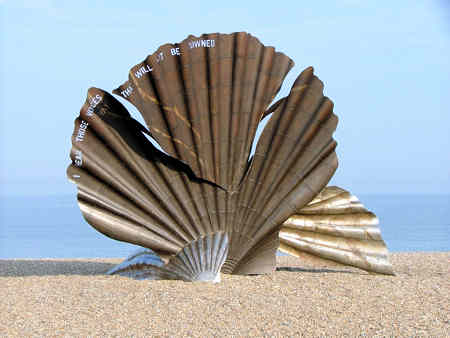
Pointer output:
x,y
56,297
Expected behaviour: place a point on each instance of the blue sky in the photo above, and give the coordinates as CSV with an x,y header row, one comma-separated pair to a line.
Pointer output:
x,y
385,64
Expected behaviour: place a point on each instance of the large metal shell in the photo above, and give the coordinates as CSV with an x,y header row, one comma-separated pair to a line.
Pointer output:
x,y
336,226
203,107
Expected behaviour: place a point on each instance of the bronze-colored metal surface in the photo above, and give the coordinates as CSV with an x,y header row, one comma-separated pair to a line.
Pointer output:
x,y
202,100
336,226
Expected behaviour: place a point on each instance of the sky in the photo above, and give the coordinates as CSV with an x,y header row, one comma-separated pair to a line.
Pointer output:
x,y
385,64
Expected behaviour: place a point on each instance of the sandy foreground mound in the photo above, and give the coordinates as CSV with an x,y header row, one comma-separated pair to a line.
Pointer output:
x,y
56,297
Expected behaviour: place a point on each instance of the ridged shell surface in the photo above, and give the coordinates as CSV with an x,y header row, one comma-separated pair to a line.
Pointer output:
x,y
336,226
202,101
201,260
203,98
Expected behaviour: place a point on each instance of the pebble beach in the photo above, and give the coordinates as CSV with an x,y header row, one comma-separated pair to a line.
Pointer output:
x,y
74,297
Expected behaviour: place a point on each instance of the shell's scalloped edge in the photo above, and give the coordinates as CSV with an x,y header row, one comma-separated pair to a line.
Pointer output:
x,y
141,256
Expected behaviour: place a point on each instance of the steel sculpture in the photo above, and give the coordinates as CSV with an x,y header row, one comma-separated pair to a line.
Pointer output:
x,y
203,204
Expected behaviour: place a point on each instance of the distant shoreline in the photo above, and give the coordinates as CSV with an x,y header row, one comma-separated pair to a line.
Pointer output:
x,y
74,297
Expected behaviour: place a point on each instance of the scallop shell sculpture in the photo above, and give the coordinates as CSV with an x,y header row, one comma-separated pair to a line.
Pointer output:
x,y
203,203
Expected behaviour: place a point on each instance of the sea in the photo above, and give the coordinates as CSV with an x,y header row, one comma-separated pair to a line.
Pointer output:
x,y
53,227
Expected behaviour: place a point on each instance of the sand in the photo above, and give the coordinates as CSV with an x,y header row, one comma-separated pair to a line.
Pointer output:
x,y
73,297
